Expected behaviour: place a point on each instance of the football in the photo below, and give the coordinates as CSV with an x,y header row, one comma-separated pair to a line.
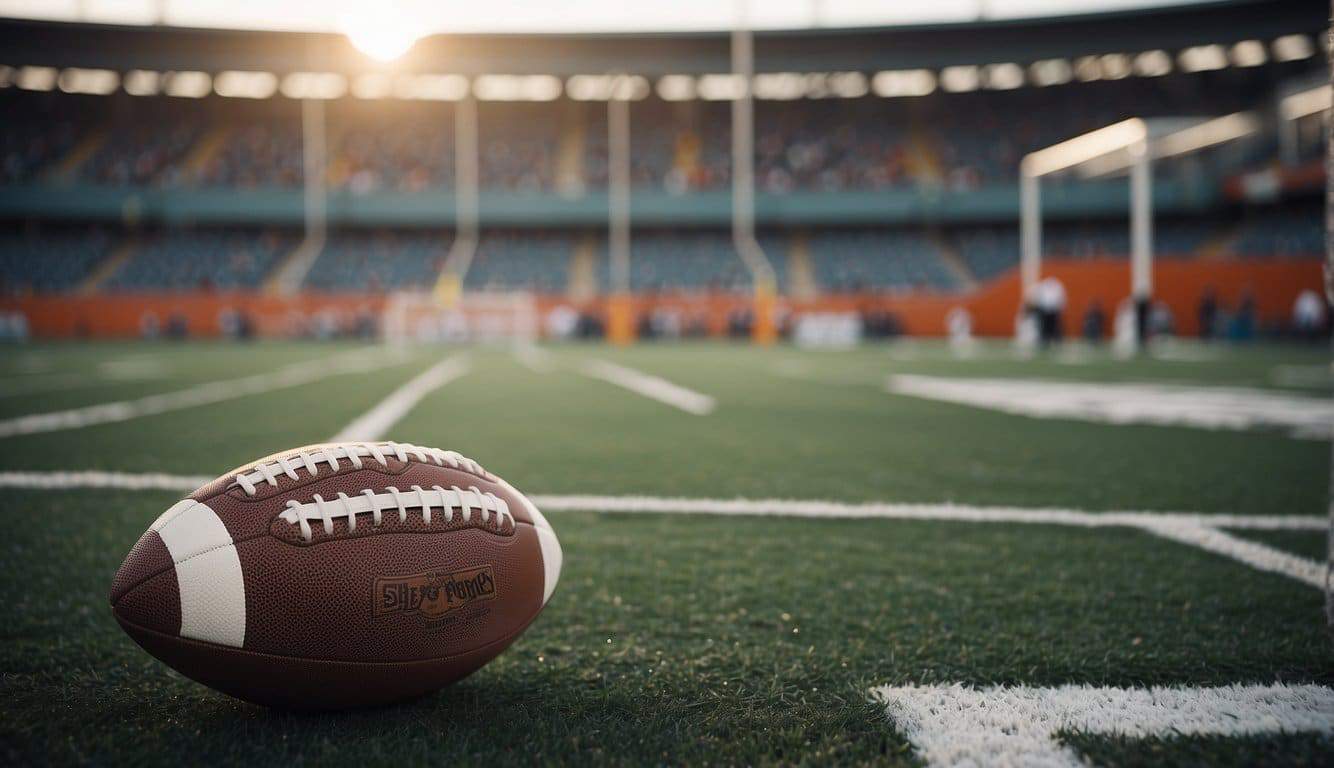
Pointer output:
x,y
339,575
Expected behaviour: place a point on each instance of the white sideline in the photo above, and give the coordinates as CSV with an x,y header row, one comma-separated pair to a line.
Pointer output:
x,y
374,423
997,725
294,375
1196,530
652,387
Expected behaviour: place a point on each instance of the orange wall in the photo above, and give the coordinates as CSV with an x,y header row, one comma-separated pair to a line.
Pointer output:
x,y
120,315
1273,284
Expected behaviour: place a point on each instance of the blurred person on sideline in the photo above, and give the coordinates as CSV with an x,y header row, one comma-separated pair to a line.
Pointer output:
x,y
1095,323
1208,314
1308,315
1051,305
1242,327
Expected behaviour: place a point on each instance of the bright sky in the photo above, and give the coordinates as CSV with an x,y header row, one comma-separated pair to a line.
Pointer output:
x,y
430,16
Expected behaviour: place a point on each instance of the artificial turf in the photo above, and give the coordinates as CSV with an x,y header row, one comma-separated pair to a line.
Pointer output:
x,y
693,640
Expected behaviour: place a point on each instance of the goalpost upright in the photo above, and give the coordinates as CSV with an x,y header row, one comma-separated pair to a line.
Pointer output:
x,y
449,285
1132,146
743,182
620,308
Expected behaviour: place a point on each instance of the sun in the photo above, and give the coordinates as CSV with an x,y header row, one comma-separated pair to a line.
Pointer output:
x,y
383,32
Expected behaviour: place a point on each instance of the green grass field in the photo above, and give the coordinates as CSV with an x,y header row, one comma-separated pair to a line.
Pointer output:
x,y
696,639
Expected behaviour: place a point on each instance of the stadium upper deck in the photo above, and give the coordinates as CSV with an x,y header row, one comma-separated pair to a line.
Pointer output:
x,y
892,168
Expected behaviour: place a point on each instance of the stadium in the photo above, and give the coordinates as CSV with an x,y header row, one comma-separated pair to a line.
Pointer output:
x,y
905,385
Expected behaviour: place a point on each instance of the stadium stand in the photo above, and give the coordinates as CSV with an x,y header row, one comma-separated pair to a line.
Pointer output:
x,y
518,146
50,260
1281,232
878,260
204,259
522,260
402,148
664,261
988,251
381,260
39,130
958,141
957,152
264,153
144,150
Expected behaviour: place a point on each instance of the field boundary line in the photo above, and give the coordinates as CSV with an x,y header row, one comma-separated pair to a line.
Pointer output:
x,y
1196,530
372,424
652,387
286,377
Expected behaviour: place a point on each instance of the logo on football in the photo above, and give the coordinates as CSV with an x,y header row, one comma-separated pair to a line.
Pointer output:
x,y
435,593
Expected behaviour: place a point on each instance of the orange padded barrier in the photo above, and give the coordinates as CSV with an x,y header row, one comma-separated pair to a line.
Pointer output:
x,y
1273,284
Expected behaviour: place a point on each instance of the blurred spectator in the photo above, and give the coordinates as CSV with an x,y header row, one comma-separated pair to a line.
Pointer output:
x,y
1243,322
1207,314
1095,322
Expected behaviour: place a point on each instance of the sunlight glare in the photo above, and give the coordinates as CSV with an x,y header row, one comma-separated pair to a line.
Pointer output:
x,y
382,32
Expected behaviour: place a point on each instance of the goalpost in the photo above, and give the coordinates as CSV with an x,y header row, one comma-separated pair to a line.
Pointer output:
x,y
1128,146
748,248
420,317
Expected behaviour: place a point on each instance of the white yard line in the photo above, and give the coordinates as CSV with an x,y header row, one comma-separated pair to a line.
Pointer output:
x,y
808,508
373,424
1196,530
1021,725
1254,554
1307,376
965,513
133,368
294,375
652,387
534,358
1204,407
92,478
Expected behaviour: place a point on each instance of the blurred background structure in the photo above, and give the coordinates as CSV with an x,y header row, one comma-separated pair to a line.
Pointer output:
x,y
163,180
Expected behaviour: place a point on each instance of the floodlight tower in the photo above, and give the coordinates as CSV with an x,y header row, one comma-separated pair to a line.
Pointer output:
x,y
743,180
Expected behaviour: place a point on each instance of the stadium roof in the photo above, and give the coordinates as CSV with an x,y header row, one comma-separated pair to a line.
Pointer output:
x,y
430,16
60,44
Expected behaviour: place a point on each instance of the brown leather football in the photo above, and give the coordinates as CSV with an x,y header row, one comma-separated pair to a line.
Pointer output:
x,y
339,575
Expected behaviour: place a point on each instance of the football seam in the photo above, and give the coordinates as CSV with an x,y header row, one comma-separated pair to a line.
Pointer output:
x,y
297,485
333,540
225,490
